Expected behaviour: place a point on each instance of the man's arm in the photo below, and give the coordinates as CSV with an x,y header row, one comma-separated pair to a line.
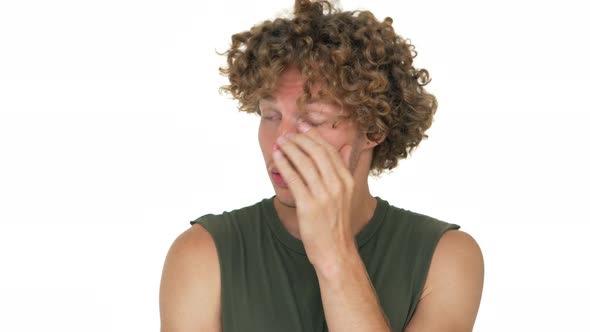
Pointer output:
x,y
323,188
190,290
452,292
449,302
348,297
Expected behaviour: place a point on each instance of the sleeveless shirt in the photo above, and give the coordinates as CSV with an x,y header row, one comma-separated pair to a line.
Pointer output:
x,y
268,283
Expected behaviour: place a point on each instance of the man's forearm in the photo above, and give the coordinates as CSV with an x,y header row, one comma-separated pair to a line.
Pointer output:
x,y
349,299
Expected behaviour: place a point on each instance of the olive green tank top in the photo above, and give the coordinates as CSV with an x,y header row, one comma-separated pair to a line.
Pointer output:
x,y
268,284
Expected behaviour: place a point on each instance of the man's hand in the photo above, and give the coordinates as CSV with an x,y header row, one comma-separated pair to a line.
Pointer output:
x,y
319,179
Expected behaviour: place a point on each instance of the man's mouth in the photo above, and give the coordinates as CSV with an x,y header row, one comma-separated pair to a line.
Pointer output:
x,y
278,179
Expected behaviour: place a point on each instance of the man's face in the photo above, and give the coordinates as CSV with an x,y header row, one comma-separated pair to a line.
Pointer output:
x,y
280,116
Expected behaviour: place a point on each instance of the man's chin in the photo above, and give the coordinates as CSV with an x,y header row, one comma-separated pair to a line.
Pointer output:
x,y
285,200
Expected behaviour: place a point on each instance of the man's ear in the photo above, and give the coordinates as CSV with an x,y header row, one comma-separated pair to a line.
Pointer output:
x,y
369,144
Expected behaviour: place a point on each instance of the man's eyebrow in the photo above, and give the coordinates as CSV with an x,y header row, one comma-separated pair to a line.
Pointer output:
x,y
317,106
267,99
309,106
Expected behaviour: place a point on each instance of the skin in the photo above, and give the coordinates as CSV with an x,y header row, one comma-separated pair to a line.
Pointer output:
x,y
326,171
282,117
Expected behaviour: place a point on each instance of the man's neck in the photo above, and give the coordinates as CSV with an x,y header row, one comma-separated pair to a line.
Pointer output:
x,y
363,209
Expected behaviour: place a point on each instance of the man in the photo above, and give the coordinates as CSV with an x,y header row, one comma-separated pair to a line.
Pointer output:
x,y
338,98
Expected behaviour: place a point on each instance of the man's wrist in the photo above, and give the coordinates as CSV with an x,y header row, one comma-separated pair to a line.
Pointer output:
x,y
335,270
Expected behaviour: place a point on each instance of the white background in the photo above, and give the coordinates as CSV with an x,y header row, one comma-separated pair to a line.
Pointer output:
x,y
113,136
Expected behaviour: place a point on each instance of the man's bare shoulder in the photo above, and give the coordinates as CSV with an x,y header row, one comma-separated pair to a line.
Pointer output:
x,y
453,289
190,290
195,237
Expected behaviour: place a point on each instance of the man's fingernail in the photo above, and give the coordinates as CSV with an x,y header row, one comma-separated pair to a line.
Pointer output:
x,y
277,154
304,127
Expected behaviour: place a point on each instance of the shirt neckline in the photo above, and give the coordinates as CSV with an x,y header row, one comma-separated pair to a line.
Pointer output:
x,y
295,244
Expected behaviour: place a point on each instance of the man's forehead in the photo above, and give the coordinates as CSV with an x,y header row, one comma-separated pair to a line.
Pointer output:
x,y
314,104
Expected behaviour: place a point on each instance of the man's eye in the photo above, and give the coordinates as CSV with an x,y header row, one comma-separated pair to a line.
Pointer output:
x,y
270,117
315,124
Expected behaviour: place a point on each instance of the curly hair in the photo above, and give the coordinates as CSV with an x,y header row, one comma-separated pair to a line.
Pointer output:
x,y
358,61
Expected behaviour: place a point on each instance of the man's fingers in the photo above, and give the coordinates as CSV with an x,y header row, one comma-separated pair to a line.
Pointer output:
x,y
288,173
340,159
304,165
316,152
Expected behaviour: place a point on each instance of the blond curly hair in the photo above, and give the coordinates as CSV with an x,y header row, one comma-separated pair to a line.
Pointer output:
x,y
359,61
